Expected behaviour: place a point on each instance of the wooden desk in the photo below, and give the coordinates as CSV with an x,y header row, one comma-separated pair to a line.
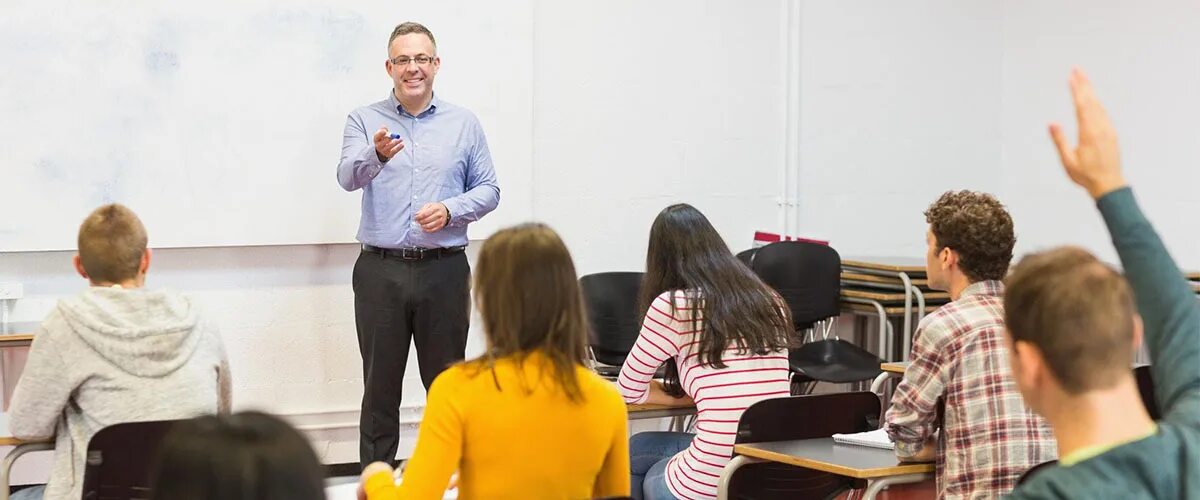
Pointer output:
x,y
878,465
17,334
1192,275
21,447
889,370
882,296
677,414
880,280
910,265
903,269
638,412
889,310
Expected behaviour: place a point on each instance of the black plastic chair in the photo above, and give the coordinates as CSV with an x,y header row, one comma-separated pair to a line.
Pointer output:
x,y
1033,471
800,417
120,458
611,300
1145,384
808,278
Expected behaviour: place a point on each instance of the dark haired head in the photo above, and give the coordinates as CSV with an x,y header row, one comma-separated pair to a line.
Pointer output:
x,y
246,456
686,253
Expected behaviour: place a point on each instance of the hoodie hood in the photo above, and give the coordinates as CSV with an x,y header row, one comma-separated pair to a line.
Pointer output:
x,y
147,333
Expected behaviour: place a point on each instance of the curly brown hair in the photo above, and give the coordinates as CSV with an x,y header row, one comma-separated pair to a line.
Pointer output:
x,y
978,227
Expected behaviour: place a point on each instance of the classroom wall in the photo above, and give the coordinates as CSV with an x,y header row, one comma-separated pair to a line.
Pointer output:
x,y
902,101
638,105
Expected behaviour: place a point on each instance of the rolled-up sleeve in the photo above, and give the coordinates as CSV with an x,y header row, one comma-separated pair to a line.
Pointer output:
x,y
912,418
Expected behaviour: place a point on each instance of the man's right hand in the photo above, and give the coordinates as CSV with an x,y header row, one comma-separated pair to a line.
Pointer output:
x,y
385,146
1095,163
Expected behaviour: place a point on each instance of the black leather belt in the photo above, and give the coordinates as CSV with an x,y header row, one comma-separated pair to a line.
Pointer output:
x,y
413,253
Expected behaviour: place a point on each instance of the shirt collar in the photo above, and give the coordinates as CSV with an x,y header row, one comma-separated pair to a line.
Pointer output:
x,y
993,288
433,104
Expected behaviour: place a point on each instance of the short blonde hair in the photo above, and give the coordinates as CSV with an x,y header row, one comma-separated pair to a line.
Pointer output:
x,y
111,242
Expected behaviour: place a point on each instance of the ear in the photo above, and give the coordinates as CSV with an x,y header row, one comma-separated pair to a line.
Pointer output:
x,y
78,263
145,265
437,64
949,258
1029,367
387,66
1138,331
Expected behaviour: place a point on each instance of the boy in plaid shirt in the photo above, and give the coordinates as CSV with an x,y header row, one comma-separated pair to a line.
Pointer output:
x,y
988,437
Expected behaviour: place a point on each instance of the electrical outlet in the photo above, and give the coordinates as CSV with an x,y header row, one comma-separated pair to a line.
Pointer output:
x,y
11,291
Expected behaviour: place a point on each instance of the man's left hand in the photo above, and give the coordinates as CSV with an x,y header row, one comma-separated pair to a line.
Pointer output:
x,y
432,217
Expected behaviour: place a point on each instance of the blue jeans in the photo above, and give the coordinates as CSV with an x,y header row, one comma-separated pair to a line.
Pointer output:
x,y
649,453
31,493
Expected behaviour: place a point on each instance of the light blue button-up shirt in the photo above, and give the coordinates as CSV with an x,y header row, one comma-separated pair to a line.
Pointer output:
x,y
445,159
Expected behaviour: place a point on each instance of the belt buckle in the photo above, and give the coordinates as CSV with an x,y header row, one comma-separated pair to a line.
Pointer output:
x,y
411,253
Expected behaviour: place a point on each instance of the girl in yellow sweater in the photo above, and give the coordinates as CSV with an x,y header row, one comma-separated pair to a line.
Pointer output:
x,y
527,419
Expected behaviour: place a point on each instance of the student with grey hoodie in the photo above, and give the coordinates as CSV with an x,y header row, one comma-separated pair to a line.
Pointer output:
x,y
115,353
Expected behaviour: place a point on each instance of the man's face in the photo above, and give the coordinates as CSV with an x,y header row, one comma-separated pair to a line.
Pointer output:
x,y
412,64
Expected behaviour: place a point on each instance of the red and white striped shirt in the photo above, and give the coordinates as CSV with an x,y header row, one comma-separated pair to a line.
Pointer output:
x,y
721,395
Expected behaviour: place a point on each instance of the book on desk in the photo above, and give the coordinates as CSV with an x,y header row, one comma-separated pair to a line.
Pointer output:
x,y
877,438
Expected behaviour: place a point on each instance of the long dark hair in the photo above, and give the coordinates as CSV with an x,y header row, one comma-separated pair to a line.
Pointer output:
x,y
686,253
528,294
245,456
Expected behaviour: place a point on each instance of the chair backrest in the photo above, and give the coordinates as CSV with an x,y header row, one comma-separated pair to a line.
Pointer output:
x,y
807,275
799,417
119,460
611,300
1033,471
1145,384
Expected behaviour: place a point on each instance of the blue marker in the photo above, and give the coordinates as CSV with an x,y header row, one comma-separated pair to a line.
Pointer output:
x,y
395,136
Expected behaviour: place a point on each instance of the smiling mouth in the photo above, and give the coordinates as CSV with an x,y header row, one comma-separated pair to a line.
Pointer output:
x,y
413,82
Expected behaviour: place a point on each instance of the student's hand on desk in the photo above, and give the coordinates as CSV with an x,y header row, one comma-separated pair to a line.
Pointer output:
x,y
1095,163
385,146
928,453
432,217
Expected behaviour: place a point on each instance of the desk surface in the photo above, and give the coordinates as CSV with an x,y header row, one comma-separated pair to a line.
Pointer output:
x,y
910,265
823,454
895,367
637,412
1192,275
883,280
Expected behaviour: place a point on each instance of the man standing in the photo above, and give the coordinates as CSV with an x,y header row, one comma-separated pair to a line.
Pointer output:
x,y
425,171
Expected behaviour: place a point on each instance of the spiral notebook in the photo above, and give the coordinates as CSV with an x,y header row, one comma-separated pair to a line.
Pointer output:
x,y
876,439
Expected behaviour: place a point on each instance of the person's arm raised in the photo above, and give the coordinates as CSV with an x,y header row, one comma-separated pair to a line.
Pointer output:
x,y
1169,310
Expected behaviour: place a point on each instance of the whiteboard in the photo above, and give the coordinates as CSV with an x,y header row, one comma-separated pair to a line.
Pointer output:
x,y
220,122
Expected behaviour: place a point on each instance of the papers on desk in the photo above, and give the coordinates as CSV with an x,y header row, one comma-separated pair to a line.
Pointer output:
x,y
876,439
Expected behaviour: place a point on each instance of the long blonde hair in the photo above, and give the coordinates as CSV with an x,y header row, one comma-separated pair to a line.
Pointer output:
x,y
528,294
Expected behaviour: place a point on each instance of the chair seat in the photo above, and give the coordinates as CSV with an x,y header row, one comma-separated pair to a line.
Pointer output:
x,y
834,360
837,373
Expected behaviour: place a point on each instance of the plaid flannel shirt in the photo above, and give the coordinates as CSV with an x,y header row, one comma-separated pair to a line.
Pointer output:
x,y
988,437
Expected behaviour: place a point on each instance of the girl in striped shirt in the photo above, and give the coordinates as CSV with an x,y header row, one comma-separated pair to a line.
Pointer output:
x,y
723,334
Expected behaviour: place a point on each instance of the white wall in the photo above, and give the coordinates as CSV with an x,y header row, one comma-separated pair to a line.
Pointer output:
x,y
643,104
1144,60
637,105
901,101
